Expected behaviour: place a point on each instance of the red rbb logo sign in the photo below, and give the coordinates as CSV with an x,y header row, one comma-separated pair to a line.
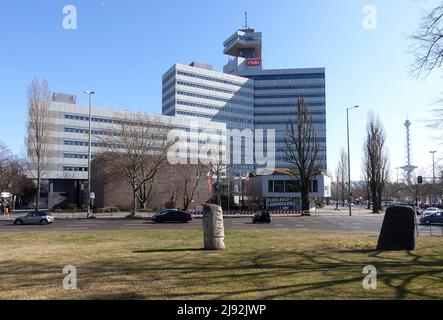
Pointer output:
x,y
254,62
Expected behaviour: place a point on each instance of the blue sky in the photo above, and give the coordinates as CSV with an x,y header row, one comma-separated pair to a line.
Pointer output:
x,y
122,48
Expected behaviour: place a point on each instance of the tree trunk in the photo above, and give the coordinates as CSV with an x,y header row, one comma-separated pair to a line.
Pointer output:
x,y
305,200
134,202
37,199
374,202
380,200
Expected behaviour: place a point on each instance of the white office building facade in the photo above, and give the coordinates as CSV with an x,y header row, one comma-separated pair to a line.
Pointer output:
x,y
67,163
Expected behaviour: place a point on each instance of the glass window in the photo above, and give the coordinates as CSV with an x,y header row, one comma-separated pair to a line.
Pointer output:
x,y
314,186
279,186
292,186
270,186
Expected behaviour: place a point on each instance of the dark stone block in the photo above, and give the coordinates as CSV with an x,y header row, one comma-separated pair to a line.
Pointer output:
x,y
398,231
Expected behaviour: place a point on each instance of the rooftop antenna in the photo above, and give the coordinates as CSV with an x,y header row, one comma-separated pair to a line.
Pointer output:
x,y
246,20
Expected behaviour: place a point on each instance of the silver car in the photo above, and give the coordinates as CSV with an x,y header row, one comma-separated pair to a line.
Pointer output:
x,y
42,218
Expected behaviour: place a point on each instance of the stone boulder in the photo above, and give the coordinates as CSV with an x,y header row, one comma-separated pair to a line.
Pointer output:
x,y
398,230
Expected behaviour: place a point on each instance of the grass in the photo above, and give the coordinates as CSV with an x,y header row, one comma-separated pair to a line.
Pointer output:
x,y
169,264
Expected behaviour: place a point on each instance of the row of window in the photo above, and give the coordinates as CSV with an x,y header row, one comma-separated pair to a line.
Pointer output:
x,y
289,186
93,119
215,117
234,101
84,143
77,156
320,140
271,123
86,131
298,76
76,169
290,87
112,121
289,105
290,114
198,76
226,109
290,96
194,85
244,38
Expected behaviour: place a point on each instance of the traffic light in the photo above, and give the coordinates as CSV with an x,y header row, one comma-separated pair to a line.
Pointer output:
x,y
420,180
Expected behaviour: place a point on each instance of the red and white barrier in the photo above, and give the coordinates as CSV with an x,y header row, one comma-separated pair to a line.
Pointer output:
x,y
252,213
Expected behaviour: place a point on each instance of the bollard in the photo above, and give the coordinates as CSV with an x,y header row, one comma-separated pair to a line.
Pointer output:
x,y
213,227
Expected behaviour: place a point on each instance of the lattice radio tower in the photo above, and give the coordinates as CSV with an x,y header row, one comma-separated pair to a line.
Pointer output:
x,y
408,169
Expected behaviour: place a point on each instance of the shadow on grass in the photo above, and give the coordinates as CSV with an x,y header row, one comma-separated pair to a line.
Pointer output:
x,y
172,250
264,273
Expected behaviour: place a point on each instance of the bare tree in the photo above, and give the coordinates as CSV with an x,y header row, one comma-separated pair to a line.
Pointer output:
x,y
428,41
189,178
138,149
38,130
428,52
342,175
375,160
302,148
145,193
5,161
218,170
366,174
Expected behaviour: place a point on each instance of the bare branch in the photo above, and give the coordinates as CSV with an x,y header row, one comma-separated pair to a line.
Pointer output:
x,y
302,149
428,39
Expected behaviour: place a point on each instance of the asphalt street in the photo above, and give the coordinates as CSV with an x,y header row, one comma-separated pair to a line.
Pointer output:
x,y
352,224
356,224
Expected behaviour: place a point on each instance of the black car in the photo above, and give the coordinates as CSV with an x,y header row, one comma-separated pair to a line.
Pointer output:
x,y
434,218
172,216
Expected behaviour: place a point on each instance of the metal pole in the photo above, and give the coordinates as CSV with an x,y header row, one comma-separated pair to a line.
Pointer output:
x,y
349,166
89,158
349,163
90,93
229,190
433,177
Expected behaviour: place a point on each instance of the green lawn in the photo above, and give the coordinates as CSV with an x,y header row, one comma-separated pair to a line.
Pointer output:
x,y
267,264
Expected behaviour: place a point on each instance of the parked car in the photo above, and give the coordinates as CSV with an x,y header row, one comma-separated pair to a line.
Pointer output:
x,y
43,218
418,211
171,216
434,218
431,210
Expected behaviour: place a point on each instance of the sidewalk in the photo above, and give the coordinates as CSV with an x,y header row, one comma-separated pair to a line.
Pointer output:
x,y
344,211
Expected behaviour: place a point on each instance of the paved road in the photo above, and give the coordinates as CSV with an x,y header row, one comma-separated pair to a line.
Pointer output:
x,y
353,224
358,224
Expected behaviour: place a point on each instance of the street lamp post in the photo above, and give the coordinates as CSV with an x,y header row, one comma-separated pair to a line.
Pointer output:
x,y
349,162
90,94
433,176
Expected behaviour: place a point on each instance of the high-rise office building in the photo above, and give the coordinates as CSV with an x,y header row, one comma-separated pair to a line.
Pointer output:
x,y
245,95
199,92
